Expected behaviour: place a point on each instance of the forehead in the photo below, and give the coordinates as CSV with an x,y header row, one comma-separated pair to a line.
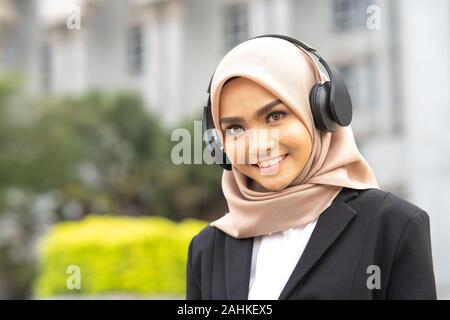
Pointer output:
x,y
240,95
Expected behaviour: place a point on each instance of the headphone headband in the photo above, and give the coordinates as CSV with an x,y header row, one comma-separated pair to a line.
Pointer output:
x,y
294,41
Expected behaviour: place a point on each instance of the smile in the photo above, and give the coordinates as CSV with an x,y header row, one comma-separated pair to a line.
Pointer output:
x,y
271,166
271,162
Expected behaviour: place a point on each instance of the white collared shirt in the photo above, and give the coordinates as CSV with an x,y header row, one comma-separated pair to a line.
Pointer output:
x,y
274,257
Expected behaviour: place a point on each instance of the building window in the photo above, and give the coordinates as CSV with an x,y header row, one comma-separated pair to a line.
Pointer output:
x,y
47,67
362,80
235,24
372,83
135,52
349,73
365,96
349,14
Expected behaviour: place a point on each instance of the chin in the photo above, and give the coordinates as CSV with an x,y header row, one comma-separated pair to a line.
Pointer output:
x,y
276,182
274,185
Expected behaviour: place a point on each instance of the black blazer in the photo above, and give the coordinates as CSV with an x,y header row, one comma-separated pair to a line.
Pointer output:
x,y
359,230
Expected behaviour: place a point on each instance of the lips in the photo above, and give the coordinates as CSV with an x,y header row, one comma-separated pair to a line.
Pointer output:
x,y
271,162
271,166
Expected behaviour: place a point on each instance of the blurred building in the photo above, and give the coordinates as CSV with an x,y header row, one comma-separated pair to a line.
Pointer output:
x,y
394,55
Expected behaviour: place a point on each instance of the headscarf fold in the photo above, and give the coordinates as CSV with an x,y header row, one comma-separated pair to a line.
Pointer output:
x,y
289,73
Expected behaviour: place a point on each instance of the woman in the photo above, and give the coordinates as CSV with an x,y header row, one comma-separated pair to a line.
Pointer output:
x,y
307,219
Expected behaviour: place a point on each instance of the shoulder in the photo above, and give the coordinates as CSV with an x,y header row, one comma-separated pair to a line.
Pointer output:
x,y
389,202
388,209
203,241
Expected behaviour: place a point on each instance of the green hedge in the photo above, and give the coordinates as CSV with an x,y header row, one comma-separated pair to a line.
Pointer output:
x,y
116,255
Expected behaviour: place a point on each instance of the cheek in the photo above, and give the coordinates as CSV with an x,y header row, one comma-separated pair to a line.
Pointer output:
x,y
297,139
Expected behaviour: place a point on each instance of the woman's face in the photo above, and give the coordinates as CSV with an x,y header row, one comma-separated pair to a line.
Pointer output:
x,y
263,138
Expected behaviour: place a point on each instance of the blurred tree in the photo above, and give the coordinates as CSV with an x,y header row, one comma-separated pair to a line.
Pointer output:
x,y
192,190
64,157
95,150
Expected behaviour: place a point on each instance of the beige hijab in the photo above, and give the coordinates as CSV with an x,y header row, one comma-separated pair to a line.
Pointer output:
x,y
335,162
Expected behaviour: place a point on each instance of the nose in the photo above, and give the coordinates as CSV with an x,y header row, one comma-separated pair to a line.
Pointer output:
x,y
262,143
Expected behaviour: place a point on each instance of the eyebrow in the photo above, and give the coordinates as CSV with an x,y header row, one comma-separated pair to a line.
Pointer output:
x,y
266,108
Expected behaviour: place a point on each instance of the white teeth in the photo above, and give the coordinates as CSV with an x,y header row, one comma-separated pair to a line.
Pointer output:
x,y
269,163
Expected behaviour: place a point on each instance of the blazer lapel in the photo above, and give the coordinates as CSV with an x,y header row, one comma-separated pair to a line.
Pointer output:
x,y
238,259
329,226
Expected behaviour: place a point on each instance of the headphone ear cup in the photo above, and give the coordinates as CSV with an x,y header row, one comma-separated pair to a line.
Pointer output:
x,y
212,140
220,156
319,100
217,151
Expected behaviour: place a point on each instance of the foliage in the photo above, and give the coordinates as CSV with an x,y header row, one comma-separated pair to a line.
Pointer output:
x,y
64,157
116,254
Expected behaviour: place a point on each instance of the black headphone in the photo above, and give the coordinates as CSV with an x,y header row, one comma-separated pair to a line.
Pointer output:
x,y
330,105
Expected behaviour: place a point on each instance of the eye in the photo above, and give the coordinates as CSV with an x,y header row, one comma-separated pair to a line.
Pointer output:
x,y
276,115
234,130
